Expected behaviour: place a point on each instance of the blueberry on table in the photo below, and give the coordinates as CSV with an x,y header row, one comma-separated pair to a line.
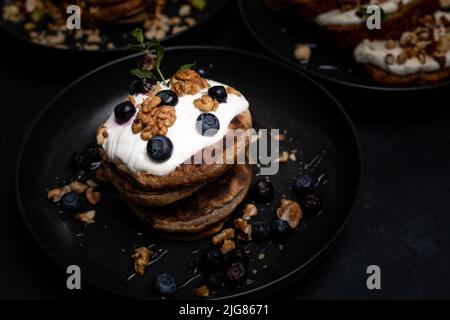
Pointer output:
x,y
262,191
159,148
124,111
207,124
168,98
311,204
219,93
279,229
212,259
203,71
236,273
78,161
239,255
213,281
303,185
165,284
91,152
260,231
70,202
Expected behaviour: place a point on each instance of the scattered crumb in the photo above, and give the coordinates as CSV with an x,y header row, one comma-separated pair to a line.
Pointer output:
x,y
85,217
202,292
261,256
302,52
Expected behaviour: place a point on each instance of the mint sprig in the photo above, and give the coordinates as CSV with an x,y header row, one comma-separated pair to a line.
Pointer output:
x,y
186,67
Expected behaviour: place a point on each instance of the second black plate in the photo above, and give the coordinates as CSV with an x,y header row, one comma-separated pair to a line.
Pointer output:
x,y
279,96
279,32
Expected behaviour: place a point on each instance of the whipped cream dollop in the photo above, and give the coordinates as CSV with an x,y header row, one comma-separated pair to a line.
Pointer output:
x,y
340,17
374,52
122,144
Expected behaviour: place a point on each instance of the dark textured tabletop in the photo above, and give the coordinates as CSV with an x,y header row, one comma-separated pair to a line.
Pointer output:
x,y
402,222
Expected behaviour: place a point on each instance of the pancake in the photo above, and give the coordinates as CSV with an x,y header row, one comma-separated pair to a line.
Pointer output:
x,y
202,213
183,176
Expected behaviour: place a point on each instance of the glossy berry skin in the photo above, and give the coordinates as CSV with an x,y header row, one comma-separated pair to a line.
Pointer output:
x,y
203,71
212,259
91,152
219,93
165,284
311,205
207,124
124,111
262,191
239,255
213,281
141,86
279,229
70,202
236,273
260,231
303,185
168,98
159,148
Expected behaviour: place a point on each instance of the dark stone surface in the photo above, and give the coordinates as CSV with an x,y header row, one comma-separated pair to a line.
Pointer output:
x,y
401,223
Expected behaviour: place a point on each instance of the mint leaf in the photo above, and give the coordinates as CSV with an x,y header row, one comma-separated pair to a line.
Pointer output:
x,y
142,73
186,67
199,4
139,36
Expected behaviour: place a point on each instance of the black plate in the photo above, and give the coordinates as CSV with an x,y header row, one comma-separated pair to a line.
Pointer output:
x,y
280,97
279,32
120,34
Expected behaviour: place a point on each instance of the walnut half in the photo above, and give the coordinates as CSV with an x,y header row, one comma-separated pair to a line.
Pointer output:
x,y
141,258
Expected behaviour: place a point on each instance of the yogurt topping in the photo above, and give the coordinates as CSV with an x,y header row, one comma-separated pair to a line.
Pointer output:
x,y
339,17
374,52
122,144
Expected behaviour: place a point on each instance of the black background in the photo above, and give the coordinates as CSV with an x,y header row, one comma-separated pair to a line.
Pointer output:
x,y
401,223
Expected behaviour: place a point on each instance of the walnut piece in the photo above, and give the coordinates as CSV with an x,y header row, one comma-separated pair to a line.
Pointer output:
x,y
227,246
56,194
141,258
290,212
231,90
202,291
244,228
250,210
153,119
187,82
78,187
302,52
225,234
92,196
206,104
85,217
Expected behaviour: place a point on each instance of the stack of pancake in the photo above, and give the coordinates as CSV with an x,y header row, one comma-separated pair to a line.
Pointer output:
x,y
100,12
195,199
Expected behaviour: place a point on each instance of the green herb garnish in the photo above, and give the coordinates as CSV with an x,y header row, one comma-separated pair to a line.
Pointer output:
x,y
141,45
186,67
199,4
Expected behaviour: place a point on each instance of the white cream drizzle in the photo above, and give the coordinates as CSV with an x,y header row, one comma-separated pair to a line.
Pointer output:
x,y
122,144
374,52
340,17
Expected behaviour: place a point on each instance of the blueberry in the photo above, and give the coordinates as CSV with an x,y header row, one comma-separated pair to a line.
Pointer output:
x,y
260,231
303,185
262,191
91,152
279,229
168,98
213,281
219,93
70,202
311,204
203,71
212,259
159,148
165,284
78,161
207,124
141,86
239,255
236,273
124,111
